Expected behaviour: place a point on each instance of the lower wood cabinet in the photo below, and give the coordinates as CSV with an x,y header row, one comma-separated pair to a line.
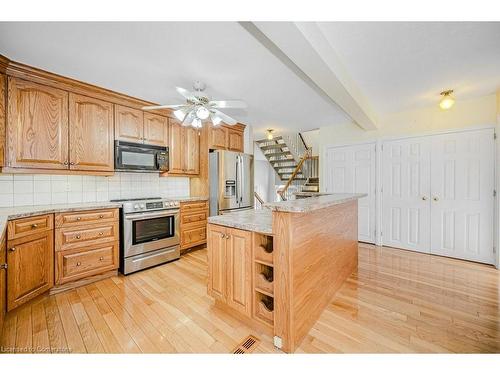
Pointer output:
x,y
230,267
193,223
30,260
3,278
86,244
86,261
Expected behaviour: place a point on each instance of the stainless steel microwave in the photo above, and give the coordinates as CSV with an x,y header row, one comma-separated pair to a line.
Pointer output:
x,y
140,157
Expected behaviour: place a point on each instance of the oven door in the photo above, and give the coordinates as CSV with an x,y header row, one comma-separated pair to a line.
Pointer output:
x,y
134,157
150,231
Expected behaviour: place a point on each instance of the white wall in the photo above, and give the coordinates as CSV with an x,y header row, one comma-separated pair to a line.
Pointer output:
x,y
464,114
23,190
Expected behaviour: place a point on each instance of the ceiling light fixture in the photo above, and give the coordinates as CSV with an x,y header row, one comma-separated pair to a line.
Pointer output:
x,y
202,113
447,100
270,134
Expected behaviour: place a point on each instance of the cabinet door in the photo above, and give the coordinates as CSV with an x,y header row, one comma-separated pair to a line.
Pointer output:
x,y
217,261
218,137
3,94
37,128
235,140
3,278
239,269
175,137
31,267
155,129
128,124
91,135
191,152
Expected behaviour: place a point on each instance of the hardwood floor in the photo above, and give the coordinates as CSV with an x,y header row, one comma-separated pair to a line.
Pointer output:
x,y
397,301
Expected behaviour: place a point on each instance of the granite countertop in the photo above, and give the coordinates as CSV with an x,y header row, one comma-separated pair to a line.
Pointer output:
x,y
313,203
10,213
252,220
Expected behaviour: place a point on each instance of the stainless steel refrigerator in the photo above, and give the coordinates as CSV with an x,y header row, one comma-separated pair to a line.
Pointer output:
x,y
231,181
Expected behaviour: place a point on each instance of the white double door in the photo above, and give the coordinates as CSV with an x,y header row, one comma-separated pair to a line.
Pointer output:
x,y
438,194
351,169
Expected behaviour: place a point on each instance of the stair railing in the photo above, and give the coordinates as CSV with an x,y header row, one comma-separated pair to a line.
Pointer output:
x,y
298,168
259,199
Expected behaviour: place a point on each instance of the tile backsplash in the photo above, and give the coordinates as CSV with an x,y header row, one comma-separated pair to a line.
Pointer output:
x,y
26,190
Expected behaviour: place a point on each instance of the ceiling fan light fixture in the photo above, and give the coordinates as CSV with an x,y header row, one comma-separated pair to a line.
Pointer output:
x,y
180,114
216,120
202,113
447,100
196,123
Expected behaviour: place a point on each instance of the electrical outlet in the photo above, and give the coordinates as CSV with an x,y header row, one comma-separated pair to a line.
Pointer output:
x,y
278,342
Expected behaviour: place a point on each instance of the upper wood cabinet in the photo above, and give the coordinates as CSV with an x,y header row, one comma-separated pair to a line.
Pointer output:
x,y
226,137
234,140
184,149
91,135
30,259
155,129
3,115
37,129
134,125
129,124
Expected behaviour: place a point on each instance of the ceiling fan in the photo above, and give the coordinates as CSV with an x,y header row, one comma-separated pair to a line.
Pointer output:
x,y
199,107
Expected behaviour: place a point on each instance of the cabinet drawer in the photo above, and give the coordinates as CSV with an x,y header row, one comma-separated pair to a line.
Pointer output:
x,y
82,262
185,207
67,219
73,237
194,217
193,236
29,225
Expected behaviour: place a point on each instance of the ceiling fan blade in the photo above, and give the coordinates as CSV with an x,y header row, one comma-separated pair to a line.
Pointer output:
x,y
228,104
225,118
186,94
149,107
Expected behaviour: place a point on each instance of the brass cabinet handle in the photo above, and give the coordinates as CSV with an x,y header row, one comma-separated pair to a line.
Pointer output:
x,y
78,218
101,258
228,237
72,163
101,216
222,235
101,233
12,249
34,226
78,237
78,264
65,162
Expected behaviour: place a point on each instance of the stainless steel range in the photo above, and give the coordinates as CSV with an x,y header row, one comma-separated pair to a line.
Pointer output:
x,y
149,233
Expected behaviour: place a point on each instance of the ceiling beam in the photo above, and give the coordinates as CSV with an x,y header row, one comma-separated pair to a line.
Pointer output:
x,y
303,48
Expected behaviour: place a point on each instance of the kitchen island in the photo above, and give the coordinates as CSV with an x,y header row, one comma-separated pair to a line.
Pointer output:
x,y
279,267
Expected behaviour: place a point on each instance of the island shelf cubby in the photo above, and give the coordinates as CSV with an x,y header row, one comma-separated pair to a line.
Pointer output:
x,y
263,278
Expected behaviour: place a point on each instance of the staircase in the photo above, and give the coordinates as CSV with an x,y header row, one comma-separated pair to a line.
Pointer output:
x,y
279,155
291,160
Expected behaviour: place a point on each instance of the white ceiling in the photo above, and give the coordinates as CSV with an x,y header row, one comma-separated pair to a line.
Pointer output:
x,y
405,65
147,60
396,66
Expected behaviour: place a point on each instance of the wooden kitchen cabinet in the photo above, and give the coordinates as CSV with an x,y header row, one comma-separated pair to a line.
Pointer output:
x,y
129,124
193,223
230,267
30,260
3,117
91,135
226,137
155,129
184,149
3,278
234,140
37,127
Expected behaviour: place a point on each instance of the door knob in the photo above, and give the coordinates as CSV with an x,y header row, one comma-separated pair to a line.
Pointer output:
x,y
435,199
424,198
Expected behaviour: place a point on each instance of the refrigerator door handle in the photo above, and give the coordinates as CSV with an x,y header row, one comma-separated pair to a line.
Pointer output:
x,y
241,178
238,192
